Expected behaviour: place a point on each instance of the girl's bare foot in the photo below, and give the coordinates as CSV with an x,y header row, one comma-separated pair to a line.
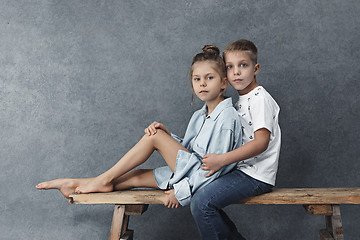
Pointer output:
x,y
97,184
65,185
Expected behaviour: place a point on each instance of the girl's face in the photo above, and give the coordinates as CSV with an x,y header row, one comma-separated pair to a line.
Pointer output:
x,y
207,82
241,71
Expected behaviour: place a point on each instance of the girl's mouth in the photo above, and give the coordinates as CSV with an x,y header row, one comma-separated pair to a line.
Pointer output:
x,y
237,80
203,91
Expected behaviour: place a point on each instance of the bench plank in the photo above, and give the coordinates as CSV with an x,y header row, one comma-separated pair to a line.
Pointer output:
x,y
120,197
307,196
304,196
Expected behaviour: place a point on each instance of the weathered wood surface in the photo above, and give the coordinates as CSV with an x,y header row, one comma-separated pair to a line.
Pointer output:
x,y
307,196
317,209
303,196
334,223
325,235
135,209
118,222
120,197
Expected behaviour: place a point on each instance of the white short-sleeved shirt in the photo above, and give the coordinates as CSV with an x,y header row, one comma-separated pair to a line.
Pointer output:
x,y
257,110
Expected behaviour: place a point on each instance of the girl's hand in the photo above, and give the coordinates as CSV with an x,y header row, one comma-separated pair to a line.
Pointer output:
x,y
171,201
151,129
212,162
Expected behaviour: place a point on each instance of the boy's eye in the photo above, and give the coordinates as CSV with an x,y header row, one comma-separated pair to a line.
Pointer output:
x,y
210,77
228,66
243,65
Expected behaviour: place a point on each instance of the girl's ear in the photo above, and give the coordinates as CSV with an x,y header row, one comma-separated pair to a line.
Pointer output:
x,y
256,69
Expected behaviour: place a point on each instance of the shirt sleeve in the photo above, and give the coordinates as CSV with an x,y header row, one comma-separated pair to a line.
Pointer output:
x,y
183,192
262,114
185,188
177,138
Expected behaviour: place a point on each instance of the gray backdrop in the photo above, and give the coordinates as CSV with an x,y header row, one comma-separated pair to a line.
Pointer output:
x,y
80,80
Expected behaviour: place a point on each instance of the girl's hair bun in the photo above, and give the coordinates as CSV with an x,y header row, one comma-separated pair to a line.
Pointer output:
x,y
211,49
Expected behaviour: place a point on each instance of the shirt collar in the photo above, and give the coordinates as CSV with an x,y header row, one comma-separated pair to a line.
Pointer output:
x,y
219,108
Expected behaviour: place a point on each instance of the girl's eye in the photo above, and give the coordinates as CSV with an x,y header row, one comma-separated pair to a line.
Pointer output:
x,y
210,77
229,67
196,79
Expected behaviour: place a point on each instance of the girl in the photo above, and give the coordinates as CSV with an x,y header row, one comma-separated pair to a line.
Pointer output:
x,y
213,129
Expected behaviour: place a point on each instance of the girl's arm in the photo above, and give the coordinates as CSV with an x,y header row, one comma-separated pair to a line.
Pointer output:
x,y
214,162
151,129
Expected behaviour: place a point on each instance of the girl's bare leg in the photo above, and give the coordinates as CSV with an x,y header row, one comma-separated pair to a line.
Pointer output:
x,y
65,185
135,179
161,141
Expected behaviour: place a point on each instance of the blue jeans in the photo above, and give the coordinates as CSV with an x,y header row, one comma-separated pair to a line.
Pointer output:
x,y
207,203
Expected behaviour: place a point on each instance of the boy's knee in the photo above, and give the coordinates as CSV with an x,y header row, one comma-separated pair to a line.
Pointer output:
x,y
194,207
200,204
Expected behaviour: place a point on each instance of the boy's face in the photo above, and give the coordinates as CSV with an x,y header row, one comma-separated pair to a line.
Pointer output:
x,y
241,71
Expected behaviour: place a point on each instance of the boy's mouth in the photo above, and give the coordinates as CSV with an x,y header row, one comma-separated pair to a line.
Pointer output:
x,y
203,91
238,80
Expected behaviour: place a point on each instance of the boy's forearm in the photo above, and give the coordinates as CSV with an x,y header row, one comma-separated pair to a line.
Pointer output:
x,y
248,150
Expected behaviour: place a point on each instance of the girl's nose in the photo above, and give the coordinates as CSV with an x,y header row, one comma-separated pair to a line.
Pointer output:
x,y
203,83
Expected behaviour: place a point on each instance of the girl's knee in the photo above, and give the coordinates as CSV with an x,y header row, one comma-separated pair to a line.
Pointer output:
x,y
159,134
157,138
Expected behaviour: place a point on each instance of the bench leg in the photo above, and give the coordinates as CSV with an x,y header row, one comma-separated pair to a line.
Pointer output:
x,y
119,226
128,235
117,222
334,230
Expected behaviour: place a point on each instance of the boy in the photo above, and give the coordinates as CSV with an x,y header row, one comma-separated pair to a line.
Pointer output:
x,y
258,156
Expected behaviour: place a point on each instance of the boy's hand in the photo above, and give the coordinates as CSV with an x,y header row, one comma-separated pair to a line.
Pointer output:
x,y
151,129
171,201
212,162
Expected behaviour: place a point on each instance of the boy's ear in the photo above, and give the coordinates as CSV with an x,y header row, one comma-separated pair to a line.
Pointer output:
x,y
256,69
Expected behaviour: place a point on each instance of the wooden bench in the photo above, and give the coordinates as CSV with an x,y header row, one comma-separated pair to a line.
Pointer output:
x,y
317,201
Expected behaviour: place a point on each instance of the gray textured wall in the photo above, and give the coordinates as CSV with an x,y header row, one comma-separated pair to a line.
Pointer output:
x,y
80,80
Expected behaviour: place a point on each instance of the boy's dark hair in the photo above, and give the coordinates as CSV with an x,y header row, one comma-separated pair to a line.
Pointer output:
x,y
242,45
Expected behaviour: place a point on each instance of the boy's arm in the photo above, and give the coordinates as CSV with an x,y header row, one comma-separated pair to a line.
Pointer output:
x,y
214,162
